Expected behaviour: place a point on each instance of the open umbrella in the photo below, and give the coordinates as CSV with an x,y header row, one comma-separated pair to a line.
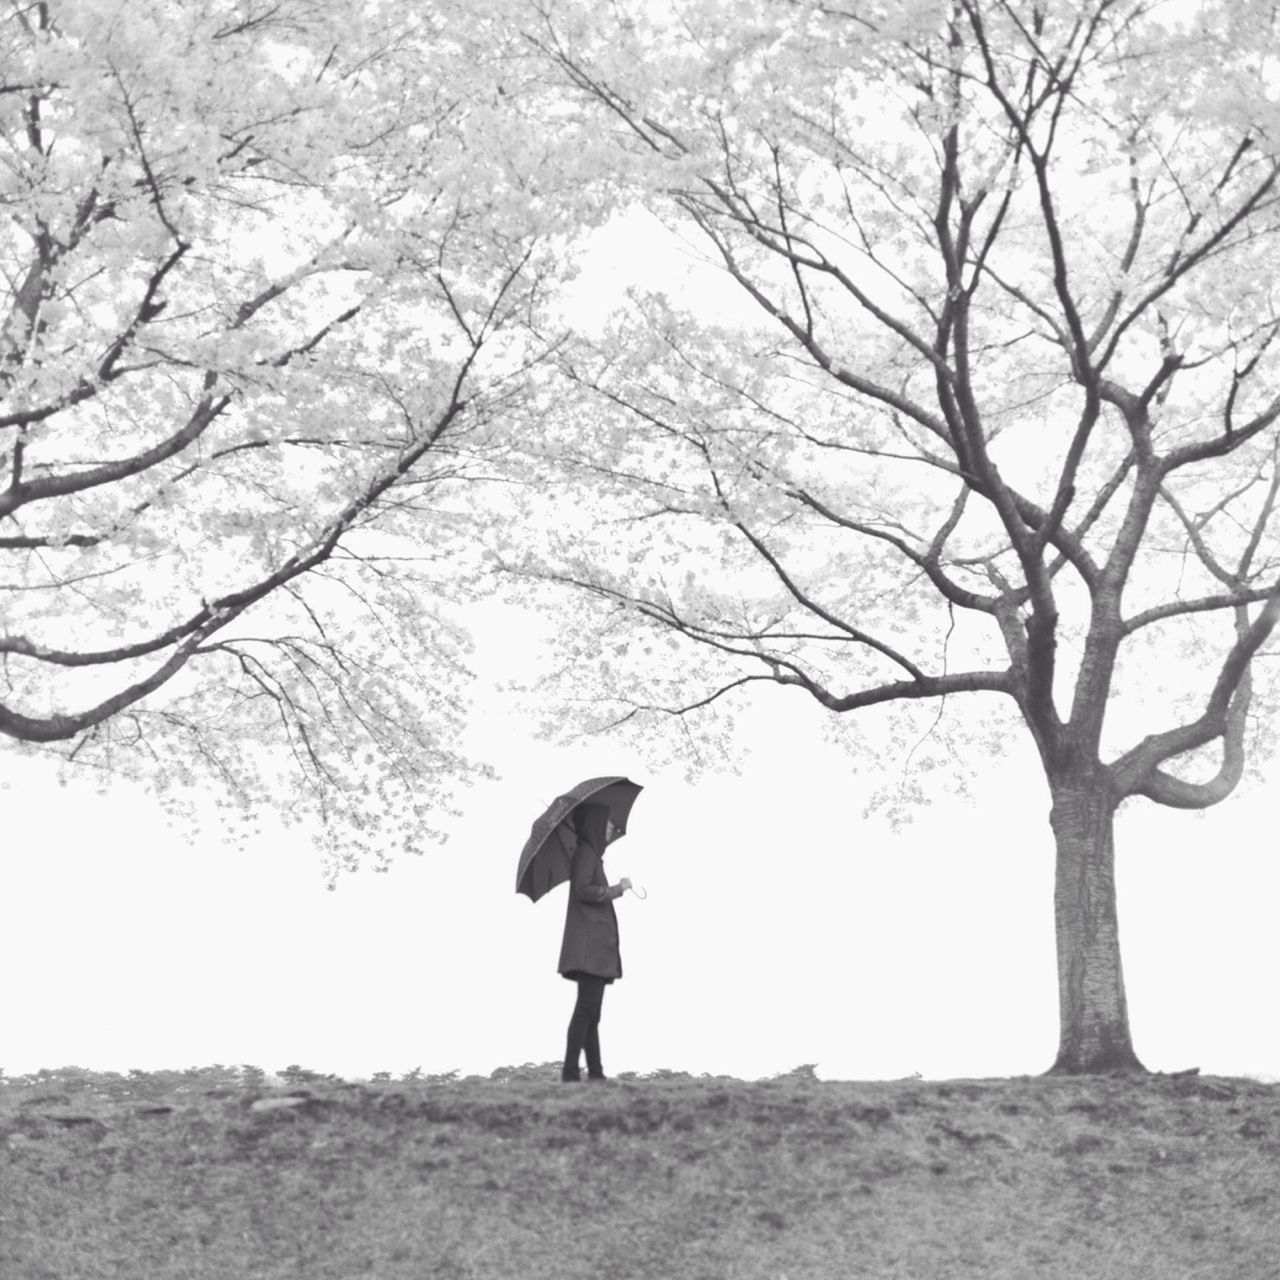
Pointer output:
x,y
547,857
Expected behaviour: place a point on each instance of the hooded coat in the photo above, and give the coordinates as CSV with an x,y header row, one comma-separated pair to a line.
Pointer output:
x,y
590,943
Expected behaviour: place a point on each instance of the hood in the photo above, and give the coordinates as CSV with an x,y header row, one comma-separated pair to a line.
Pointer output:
x,y
591,823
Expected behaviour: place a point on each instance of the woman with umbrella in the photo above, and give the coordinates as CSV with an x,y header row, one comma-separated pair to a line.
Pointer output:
x,y
567,842
589,954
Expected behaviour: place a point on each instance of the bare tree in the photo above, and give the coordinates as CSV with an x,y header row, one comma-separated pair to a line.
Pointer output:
x,y
992,412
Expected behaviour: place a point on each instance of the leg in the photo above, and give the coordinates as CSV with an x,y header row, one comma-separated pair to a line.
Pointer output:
x,y
578,1026
592,1041
594,1070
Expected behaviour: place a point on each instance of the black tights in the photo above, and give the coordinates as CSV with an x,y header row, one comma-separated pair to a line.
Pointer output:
x,y
584,1028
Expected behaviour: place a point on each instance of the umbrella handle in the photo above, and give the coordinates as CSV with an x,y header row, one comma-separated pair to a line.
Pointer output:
x,y
642,893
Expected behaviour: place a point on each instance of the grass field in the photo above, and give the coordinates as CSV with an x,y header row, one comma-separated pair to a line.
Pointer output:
x,y
177,1178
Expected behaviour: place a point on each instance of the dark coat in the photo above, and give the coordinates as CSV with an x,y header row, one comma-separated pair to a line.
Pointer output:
x,y
590,924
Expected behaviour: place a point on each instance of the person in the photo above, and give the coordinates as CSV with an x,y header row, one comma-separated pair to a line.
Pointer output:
x,y
590,955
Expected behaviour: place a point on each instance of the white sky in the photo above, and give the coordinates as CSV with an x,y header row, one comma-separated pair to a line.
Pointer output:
x,y
780,929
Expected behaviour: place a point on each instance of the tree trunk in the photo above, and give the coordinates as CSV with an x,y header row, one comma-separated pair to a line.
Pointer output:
x,y
1092,1012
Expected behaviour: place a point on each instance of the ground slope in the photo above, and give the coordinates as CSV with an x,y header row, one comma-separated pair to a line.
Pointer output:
x,y
1166,1178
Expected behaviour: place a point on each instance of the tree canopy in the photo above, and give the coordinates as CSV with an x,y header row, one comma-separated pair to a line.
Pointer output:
x,y
264,260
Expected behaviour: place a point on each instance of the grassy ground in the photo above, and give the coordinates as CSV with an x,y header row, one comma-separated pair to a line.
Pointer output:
x,y
148,1178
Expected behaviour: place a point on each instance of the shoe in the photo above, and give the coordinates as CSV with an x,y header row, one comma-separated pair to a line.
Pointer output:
x,y
570,1077
599,1079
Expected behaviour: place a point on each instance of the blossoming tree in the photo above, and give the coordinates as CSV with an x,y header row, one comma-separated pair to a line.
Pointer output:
x,y
991,415
262,261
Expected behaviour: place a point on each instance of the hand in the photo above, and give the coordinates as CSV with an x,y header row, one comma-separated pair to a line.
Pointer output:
x,y
624,884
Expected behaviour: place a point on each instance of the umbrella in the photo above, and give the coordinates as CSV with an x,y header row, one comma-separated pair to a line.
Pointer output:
x,y
548,853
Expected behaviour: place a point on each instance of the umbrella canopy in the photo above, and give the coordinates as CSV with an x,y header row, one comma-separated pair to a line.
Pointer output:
x,y
547,856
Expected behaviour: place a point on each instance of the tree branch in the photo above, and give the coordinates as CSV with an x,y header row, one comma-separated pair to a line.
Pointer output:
x,y
928,562
214,615
1137,772
854,633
